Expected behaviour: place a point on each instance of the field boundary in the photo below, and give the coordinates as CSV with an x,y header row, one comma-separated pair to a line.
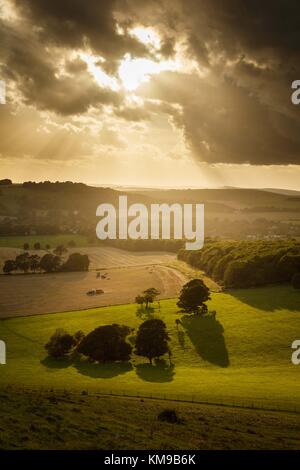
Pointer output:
x,y
244,405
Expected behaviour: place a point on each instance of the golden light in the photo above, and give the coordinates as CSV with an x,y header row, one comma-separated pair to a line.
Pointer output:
x,y
134,72
102,78
147,36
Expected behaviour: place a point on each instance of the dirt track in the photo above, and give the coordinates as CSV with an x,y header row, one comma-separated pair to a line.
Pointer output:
x,y
127,275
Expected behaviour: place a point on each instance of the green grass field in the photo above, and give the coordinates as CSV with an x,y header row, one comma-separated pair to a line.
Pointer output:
x,y
52,240
241,357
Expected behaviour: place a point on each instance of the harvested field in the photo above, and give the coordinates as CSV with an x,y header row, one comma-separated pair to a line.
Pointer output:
x,y
127,274
102,257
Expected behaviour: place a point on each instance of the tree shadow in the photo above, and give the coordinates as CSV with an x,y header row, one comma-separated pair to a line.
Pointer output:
x,y
158,372
91,369
181,339
102,371
59,363
206,334
145,313
269,299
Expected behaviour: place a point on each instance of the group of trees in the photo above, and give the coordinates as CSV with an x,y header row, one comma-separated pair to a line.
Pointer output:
x,y
109,343
114,343
48,263
247,263
147,297
59,250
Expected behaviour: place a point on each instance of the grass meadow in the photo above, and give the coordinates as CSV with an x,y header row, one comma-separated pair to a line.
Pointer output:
x,y
241,357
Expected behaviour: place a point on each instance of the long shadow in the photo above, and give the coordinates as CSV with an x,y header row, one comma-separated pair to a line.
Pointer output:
x,y
158,372
52,363
145,313
181,340
84,367
206,334
269,298
102,371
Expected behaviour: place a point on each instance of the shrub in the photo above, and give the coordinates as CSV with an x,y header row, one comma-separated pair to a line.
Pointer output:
x,y
60,344
169,415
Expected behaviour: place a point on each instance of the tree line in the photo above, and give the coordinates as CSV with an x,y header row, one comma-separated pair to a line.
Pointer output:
x,y
247,263
49,263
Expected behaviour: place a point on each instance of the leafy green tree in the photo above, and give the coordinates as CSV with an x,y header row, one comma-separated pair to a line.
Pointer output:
x,y
60,344
50,263
9,266
150,295
23,262
37,246
34,261
76,262
193,295
107,344
152,339
26,246
139,300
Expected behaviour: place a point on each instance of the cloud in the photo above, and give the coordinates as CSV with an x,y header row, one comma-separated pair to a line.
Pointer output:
x,y
232,105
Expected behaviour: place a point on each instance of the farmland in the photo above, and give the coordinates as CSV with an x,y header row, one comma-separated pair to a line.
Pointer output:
x,y
241,357
126,274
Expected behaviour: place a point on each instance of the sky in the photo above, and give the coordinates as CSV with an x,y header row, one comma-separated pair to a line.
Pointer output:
x,y
191,93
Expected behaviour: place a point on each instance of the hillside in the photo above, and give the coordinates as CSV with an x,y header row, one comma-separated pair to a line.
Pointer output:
x,y
45,419
241,357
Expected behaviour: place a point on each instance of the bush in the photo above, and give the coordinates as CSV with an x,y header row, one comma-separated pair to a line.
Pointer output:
x,y
107,343
60,344
169,415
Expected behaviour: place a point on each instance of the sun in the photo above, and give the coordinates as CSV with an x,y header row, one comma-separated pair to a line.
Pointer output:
x,y
135,71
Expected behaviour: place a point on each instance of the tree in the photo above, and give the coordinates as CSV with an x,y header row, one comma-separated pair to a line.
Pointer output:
x,y
60,343
192,297
107,343
26,246
23,262
76,262
71,244
60,250
5,182
139,300
78,336
50,263
296,281
47,246
9,266
34,261
37,246
150,295
152,339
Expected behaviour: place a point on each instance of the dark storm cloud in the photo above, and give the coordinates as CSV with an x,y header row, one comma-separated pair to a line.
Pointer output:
x,y
237,111
240,111
35,72
77,23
